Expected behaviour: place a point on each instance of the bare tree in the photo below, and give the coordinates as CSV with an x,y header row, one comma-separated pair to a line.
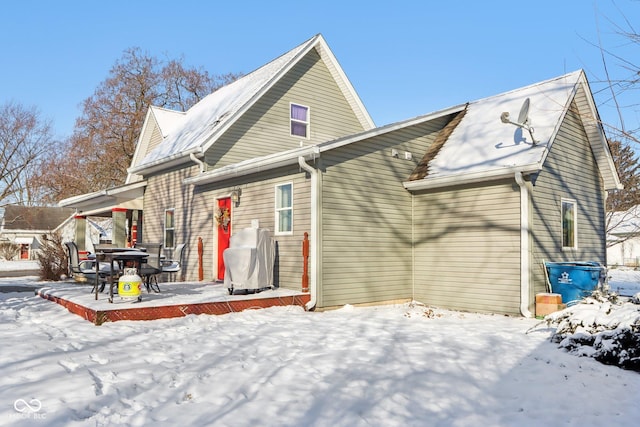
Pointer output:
x,y
100,150
622,205
24,138
619,80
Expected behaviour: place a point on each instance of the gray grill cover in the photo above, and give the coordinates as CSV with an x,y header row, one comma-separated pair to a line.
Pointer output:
x,y
249,259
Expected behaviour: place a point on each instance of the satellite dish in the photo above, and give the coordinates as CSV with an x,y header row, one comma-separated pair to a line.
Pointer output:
x,y
523,119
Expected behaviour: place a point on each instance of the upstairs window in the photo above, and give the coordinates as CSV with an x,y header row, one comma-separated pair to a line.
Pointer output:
x,y
299,120
169,228
569,221
284,208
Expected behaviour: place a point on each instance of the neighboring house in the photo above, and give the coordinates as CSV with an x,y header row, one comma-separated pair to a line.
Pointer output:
x,y
623,238
455,208
26,225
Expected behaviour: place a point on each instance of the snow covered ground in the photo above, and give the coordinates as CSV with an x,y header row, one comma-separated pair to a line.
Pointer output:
x,y
402,365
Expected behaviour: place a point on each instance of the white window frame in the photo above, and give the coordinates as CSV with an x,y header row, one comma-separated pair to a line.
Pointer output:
x,y
279,209
575,223
165,228
307,123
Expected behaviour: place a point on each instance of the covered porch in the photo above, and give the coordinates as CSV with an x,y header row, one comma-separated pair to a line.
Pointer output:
x,y
122,205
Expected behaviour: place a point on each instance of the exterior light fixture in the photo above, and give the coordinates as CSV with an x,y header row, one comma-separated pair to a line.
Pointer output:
x,y
235,197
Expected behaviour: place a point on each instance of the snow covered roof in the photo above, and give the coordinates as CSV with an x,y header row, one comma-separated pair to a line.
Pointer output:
x,y
203,123
167,120
624,223
481,146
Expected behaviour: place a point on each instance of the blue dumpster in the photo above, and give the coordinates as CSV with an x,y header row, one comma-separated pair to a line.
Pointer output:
x,y
574,280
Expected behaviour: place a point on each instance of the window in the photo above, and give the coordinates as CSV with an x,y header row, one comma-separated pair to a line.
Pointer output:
x,y
284,208
169,228
299,120
569,221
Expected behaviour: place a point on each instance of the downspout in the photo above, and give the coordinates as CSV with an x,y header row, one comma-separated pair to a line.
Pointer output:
x,y
200,163
313,235
524,245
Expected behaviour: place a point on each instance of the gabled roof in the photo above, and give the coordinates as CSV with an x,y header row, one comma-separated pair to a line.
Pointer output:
x,y
165,121
482,147
477,146
206,121
34,218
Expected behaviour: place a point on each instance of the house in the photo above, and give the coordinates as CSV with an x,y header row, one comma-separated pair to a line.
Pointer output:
x,y
25,226
623,238
458,208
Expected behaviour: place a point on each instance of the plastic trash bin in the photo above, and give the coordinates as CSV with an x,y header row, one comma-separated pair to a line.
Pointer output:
x,y
574,280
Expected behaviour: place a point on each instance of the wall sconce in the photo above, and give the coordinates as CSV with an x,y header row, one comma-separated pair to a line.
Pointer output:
x,y
235,197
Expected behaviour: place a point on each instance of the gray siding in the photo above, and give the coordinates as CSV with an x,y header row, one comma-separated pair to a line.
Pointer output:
x,y
467,247
155,137
366,218
264,128
194,217
257,202
570,171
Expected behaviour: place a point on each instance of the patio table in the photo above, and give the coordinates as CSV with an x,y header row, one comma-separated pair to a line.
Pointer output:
x,y
119,255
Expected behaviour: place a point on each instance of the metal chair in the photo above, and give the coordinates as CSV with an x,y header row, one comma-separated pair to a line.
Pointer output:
x,y
152,267
174,265
85,270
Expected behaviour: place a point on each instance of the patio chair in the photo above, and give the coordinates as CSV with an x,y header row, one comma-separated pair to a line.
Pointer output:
x,y
85,270
174,265
152,267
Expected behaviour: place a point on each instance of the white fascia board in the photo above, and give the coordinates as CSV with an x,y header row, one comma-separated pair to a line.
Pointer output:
x,y
254,165
104,196
468,178
129,191
344,83
83,199
164,163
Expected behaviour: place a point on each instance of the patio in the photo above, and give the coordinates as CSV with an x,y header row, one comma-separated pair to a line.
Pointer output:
x,y
176,299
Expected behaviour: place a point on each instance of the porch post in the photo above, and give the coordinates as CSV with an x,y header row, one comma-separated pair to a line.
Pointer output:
x,y
119,233
81,232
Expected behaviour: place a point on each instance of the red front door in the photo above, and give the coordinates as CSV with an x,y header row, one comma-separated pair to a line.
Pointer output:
x,y
24,251
223,222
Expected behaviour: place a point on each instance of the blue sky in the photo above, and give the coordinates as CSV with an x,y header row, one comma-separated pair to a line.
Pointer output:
x,y
404,58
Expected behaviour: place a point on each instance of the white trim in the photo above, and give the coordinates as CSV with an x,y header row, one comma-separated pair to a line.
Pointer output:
x,y
24,240
564,200
250,166
467,178
277,210
307,123
113,195
164,228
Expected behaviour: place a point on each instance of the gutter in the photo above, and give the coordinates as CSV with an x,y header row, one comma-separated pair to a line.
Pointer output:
x,y
313,235
199,162
251,166
524,245
468,178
